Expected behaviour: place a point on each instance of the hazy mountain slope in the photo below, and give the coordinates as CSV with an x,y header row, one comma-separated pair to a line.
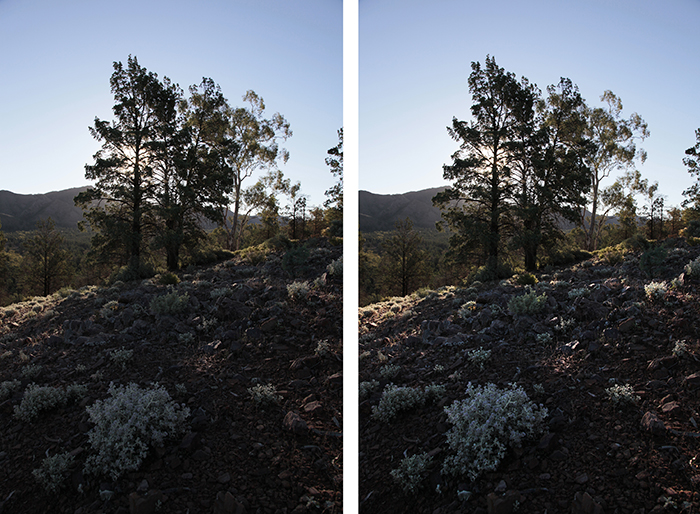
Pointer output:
x,y
21,212
380,212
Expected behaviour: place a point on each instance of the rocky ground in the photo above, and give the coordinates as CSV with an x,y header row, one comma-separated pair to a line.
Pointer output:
x,y
593,456
240,328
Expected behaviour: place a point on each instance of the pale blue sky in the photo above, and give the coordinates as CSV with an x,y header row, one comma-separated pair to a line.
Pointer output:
x,y
415,58
56,61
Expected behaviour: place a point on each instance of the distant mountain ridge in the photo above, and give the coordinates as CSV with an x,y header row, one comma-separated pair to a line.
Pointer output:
x,y
380,212
21,212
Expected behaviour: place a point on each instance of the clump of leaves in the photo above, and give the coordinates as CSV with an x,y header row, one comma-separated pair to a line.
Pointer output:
x,y
397,399
121,356
295,260
528,303
53,471
655,291
127,424
479,357
485,424
526,279
170,303
168,279
693,268
411,472
622,395
298,290
264,394
652,262
37,399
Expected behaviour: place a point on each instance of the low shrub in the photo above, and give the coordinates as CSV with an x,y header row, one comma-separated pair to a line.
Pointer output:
x,y
54,471
335,268
8,388
489,274
526,279
168,279
126,424
528,303
652,261
397,399
622,395
298,290
121,356
264,394
411,472
37,399
485,424
655,291
466,310
692,269
295,260
131,273
367,388
170,303
479,357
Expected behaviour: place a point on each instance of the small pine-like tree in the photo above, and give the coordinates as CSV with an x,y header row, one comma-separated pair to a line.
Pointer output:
x,y
46,263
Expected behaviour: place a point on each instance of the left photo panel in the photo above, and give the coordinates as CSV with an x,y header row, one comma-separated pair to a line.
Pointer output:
x,y
171,257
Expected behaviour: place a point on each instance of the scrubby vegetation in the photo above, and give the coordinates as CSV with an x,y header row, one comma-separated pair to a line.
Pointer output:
x,y
573,385
106,388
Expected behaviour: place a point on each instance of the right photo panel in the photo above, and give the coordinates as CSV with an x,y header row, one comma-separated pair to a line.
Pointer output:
x,y
529,257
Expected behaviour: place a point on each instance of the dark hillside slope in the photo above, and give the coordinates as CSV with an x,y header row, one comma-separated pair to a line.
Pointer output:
x,y
611,353
380,212
21,212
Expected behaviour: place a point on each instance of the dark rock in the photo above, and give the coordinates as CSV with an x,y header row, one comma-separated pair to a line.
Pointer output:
x,y
627,325
594,346
651,423
505,504
254,334
54,340
335,380
413,340
693,380
200,420
581,479
269,325
201,455
672,409
191,441
558,456
584,504
611,334
146,504
312,407
660,374
305,362
546,442
212,347
226,504
588,335
656,384
294,423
